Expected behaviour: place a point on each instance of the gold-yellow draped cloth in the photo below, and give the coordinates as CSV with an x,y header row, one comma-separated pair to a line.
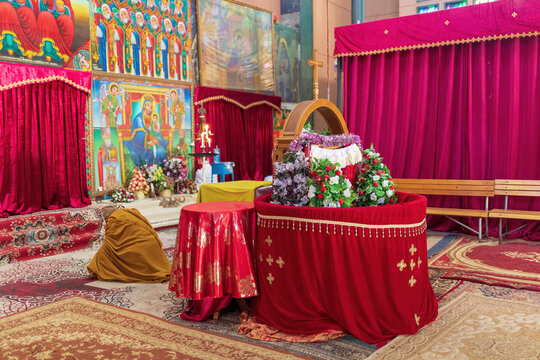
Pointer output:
x,y
243,190
131,251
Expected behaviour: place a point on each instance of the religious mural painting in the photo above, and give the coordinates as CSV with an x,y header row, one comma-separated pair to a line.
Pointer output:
x,y
136,125
236,46
286,63
142,37
46,32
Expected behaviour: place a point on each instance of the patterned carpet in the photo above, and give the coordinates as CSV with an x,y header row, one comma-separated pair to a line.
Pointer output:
x,y
28,284
85,329
473,327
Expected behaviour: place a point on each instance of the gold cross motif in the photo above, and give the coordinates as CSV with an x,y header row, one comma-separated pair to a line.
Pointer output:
x,y
401,265
419,261
417,319
386,32
412,250
280,262
514,14
412,281
412,264
446,22
269,260
268,241
316,64
270,278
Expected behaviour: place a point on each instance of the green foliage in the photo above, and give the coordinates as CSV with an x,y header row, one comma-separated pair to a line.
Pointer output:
x,y
327,186
374,186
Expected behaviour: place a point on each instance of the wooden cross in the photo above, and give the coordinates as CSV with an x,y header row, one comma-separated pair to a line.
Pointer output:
x,y
316,64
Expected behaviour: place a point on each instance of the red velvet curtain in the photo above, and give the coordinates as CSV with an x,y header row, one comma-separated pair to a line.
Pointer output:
x,y
243,128
42,148
459,111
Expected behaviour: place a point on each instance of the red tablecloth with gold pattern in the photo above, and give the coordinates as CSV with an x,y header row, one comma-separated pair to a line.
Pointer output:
x,y
212,257
361,270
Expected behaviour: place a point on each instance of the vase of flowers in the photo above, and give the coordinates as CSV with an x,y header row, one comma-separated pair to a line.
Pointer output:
x,y
186,186
138,184
176,168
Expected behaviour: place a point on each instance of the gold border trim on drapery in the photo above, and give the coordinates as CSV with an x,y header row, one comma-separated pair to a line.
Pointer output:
x,y
442,43
224,98
328,226
44,80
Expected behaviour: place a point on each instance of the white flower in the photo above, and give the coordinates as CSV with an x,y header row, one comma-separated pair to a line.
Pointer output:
x,y
348,183
334,180
373,196
389,193
385,183
289,166
311,191
376,177
380,201
347,193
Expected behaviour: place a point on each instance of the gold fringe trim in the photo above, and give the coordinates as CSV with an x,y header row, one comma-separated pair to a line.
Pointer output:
x,y
44,80
442,43
224,98
382,231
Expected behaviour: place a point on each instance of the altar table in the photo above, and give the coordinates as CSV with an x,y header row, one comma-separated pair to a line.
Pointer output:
x,y
243,190
361,270
212,257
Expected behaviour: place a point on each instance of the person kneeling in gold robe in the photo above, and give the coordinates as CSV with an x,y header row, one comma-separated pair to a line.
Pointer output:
x,y
131,251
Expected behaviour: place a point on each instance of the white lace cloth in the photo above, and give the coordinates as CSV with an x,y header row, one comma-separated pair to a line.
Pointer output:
x,y
350,155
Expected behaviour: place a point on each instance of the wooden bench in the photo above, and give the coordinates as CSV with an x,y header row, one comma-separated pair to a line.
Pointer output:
x,y
508,188
481,188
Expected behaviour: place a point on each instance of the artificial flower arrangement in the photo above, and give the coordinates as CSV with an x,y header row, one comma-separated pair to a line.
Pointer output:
x,y
374,185
176,168
328,187
161,181
138,182
308,138
186,186
122,196
291,180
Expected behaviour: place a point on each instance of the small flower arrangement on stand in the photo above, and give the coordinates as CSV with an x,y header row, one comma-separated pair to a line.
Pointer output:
x,y
327,186
122,196
138,184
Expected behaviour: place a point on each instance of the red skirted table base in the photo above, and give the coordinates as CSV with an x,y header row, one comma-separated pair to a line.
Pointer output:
x,y
360,270
212,258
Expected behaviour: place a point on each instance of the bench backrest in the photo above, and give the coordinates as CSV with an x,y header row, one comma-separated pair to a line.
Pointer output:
x,y
446,187
517,187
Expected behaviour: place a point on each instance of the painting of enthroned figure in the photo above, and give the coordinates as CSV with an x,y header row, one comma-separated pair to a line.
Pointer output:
x,y
146,123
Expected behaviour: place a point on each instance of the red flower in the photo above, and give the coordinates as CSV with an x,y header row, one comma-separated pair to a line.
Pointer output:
x,y
318,179
323,185
328,168
362,179
361,192
363,170
379,172
367,167
390,178
384,172
367,157
338,172
323,189
333,167
340,201
326,177
320,196
391,188
375,184
391,201
375,161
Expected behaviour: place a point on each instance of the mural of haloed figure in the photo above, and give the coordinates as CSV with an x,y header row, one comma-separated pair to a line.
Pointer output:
x,y
136,125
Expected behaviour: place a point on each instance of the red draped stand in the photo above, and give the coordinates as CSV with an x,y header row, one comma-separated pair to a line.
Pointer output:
x,y
360,270
452,94
212,258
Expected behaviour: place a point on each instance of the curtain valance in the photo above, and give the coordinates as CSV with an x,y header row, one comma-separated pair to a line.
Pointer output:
x,y
496,20
243,100
15,75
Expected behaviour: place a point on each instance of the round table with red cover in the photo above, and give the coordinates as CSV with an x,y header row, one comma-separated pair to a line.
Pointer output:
x,y
212,257
362,270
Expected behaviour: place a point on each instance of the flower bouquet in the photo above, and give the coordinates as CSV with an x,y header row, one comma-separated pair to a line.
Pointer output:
x,y
186,186
291,179
122,196
176,168
327,186
374,185
138,184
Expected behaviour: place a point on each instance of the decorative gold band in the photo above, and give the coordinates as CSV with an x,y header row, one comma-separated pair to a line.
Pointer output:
x,y
44,80
441,43
224,98
316,225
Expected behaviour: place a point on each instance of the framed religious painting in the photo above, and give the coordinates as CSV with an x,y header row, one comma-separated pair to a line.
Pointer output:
x,y
142,37
46,32
286,68
235,46
136,124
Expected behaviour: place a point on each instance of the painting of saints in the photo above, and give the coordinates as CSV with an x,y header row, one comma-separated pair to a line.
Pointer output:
x,y
164,46
18,27
125,30
184,45
111,107
284,72
153,48
138,45
146,145
107,37
56,25
107,158
177,110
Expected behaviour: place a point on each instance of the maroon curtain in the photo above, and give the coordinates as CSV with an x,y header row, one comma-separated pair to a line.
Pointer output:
x,y
42,148
243,126
459,111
